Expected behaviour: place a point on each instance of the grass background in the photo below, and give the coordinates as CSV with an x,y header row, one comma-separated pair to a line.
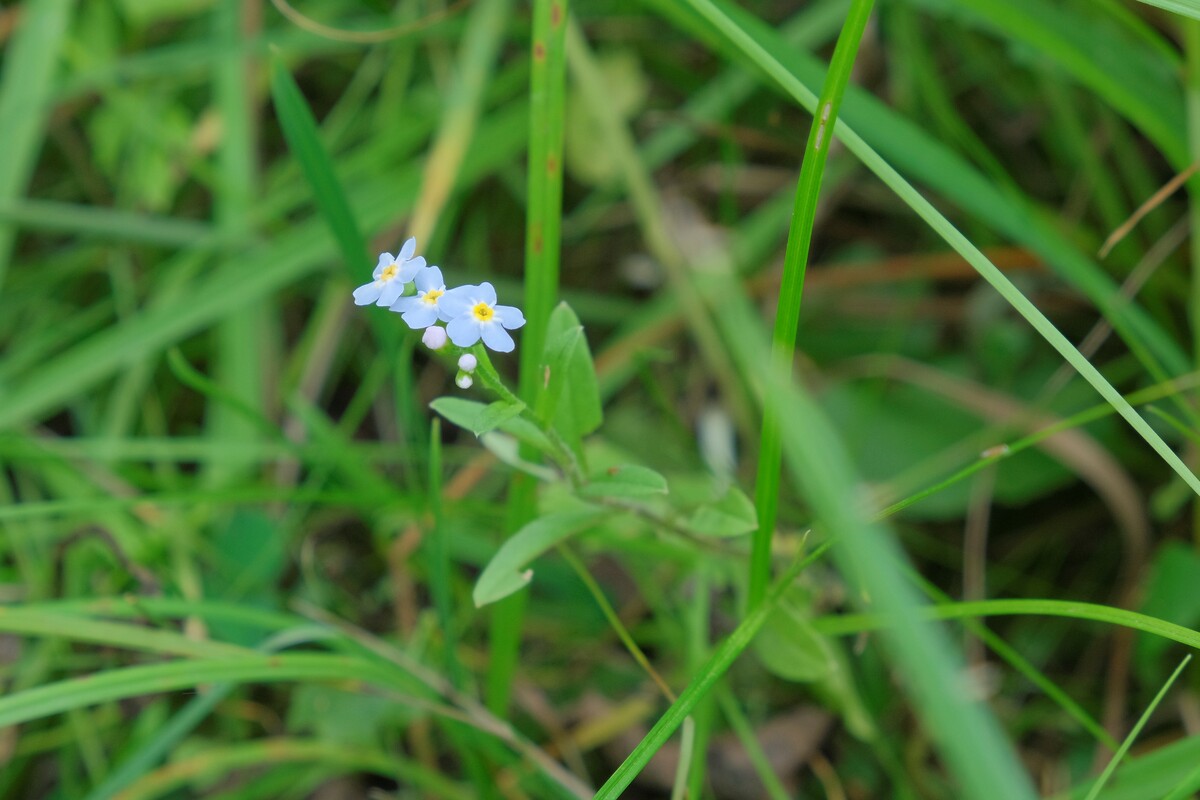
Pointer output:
x,y
237,555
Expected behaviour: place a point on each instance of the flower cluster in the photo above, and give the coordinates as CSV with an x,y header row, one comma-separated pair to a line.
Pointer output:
x,y
470,313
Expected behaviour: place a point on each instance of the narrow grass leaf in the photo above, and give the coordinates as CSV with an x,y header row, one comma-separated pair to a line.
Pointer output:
x,y
1133,734
857,623
795,264
25,88
304,140
118,684
1187,8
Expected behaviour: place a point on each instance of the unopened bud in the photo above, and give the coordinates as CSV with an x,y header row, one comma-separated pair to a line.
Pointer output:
x,y
467,362
464,380
434,337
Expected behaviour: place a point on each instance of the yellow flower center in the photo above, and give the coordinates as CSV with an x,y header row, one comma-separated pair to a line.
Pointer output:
x,y
432,296
483,312
389,272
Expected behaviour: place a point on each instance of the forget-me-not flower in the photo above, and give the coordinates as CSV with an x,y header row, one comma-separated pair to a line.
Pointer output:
x,y
420,310
472,314
391,273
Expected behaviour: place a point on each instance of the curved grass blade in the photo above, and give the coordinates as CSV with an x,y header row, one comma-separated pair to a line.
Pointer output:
x,y
857,623
795,263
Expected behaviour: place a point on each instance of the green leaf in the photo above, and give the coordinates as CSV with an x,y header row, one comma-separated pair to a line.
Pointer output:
x,y
505,448
527,433
790,647
732,515
476,417
506,572
572,396
627,480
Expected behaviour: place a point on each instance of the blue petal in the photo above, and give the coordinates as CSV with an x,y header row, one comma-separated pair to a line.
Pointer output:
x,y
463,331
405,304
496,338
406,252
456,302
487,294
391,292
422,315
510,317
409,269
367,293
429,278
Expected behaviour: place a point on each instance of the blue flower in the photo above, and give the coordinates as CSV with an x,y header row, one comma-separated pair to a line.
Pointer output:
x,y
472,314
390,276
422,309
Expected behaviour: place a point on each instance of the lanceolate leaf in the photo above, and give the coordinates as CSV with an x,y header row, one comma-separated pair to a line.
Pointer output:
x,y
506,572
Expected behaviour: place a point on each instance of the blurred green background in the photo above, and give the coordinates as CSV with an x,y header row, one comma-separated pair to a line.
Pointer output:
x,y
201,436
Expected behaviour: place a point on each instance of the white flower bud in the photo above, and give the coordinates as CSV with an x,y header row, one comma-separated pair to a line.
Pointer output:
x,y
467,362
434,337
464,380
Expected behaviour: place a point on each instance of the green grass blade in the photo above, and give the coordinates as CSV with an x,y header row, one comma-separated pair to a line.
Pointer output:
x,y
716,666
1187,8
112,634
304,140
795,263
24,100
55,698
1133,734
141,761
240,369
752,48
857,623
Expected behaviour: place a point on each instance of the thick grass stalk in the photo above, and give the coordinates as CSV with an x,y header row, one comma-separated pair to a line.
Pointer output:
x,y
808,191
543,225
